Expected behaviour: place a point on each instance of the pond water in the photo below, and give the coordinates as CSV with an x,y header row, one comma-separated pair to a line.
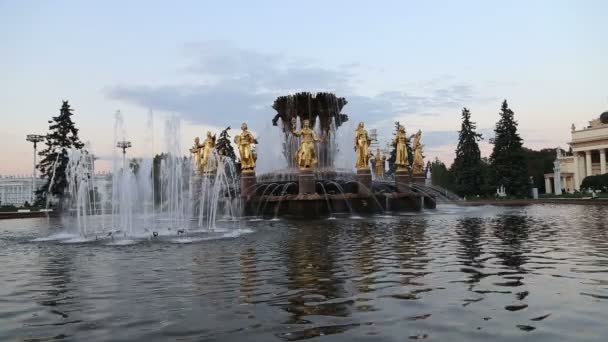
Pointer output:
x,y
453,274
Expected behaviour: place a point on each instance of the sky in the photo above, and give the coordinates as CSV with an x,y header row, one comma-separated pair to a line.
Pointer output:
x,y
218,63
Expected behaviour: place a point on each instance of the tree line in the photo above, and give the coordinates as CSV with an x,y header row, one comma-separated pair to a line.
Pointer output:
x,y
510,164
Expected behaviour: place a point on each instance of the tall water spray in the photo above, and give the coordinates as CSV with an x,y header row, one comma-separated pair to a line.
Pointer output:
x,y
158,194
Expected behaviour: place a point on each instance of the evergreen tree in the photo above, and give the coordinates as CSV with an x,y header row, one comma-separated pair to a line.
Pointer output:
x,y
224,146
508,162
467,168
62,136
441,175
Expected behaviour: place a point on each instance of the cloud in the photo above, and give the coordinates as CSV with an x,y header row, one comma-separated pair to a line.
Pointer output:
x,y
234,84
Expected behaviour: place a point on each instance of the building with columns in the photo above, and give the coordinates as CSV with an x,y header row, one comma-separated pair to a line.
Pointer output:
x,y
17,189
588,157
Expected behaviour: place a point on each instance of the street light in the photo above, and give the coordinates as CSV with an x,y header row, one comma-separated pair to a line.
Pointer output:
x,y
34,138
124,145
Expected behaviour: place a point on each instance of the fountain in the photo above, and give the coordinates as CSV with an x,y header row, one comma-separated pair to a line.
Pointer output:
x,y
170,194
311,185
153,196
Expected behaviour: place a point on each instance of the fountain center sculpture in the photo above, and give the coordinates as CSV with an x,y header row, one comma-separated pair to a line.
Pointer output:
x,y
312,186
306,156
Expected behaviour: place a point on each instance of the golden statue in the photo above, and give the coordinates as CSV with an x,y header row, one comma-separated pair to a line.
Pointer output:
x,y
362,142
244,142
402,157
196,155
379,160
208,164
418,165
306,156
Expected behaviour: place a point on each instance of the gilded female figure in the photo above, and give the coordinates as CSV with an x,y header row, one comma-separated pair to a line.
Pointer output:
x,y
418,165
244,142
402,156
206,154
196,155
306,156
379,160
362,142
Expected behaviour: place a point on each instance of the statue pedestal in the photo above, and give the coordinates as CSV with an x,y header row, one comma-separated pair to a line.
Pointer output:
x,y
402,181
306,182
364,182
248,182
418,178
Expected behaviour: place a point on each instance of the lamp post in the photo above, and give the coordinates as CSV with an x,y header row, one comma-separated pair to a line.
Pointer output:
x,y
34,138
124,145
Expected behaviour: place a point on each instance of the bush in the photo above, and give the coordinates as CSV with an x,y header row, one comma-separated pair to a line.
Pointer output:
x,y
8,208
595,183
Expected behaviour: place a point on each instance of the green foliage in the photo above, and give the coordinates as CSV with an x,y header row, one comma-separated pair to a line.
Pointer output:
x,y
224,146
539,163
8,208
441,175
62,136
508,161
595,183
467,167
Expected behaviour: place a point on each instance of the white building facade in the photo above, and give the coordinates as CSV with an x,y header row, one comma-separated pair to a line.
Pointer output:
x,y
588,158
17,189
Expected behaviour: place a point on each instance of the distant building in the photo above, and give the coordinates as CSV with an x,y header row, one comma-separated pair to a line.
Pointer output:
x,y
588,157
17,189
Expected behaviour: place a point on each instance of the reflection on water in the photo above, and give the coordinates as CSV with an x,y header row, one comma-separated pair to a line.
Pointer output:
x,y
537,272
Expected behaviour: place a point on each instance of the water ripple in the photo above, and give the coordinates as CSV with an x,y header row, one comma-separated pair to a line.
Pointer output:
x,y
482,273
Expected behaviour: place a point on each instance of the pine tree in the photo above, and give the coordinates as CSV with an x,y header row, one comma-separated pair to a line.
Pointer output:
x,y
508,162
223,145
467,168
62,136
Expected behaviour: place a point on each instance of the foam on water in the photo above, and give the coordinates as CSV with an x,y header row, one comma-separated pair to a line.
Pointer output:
x,y
79,239
230,234
123,242
56,237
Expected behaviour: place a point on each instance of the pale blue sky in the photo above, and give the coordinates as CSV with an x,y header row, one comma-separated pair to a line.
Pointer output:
x,y
218,63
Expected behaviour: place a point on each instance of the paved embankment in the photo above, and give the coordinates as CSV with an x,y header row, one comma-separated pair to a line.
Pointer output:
x,y
518,202
15,214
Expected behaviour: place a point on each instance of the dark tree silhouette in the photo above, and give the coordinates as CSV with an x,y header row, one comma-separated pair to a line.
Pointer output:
x,y
62,136
508,162
467,168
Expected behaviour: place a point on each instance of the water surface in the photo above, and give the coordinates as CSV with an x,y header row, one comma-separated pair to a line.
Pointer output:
x,y
455,274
